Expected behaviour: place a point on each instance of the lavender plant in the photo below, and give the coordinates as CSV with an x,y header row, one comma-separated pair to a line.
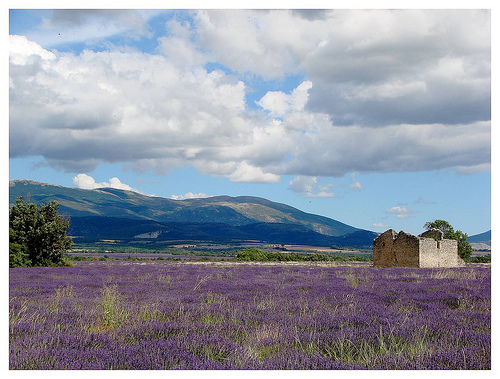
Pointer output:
x,y
180,315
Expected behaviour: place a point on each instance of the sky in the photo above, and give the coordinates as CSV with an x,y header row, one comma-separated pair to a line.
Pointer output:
x,y
376,118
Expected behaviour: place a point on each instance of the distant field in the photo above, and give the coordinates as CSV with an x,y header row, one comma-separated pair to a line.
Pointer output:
x,y
230,315
197,251
144,255
327,250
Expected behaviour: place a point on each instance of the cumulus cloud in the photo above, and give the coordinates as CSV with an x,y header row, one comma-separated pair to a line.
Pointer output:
x,y
121,19
334,151
401,212
123,107
85,181
302,184
61,26
278,103
406,66
255,41
435,72
402,91
248,173
472,169
190,195
379,225
323,194
310,187
21,51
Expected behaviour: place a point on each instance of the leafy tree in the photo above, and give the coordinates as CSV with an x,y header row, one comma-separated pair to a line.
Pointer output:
x,y
252,254
17,256
442,225
37,234
481,259
464,248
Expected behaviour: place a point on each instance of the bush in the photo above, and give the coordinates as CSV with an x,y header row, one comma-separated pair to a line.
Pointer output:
x,y
265,256
251,255
480,259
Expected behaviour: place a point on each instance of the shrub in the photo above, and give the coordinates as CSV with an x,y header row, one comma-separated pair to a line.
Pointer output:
x,y
480,259
253,254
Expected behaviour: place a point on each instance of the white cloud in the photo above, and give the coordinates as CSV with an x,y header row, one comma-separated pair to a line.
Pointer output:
x,y
85,181
401,91
302,184
255,41
310,187
388,90
473,169
62,26
190,195
379,225
181,51
411,66
248,173
401,212
126,107
333,151
323,194
355,185
22,51
421,200
392,67
278,103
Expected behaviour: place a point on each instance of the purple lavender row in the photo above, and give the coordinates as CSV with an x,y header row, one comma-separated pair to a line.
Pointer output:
x,y
168,315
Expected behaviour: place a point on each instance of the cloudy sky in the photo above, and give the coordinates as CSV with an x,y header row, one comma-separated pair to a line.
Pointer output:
x,y
375,118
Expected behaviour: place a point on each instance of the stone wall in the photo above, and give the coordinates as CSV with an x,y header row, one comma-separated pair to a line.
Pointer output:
x,y
395,250
383,249
443,253
403,249
433,233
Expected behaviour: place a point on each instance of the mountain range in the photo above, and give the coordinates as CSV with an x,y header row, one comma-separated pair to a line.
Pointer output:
x,y
481,241
112,214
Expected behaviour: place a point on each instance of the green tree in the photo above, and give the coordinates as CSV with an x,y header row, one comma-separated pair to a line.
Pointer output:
x,y
464,248
37,234
442,225
17,256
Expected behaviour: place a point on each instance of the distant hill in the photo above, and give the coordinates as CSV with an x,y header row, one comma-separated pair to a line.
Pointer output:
x,y
90,229
116,214
481,242
481,238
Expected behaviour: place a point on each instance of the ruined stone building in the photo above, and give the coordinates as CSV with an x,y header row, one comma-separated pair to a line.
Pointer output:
x,y
429,249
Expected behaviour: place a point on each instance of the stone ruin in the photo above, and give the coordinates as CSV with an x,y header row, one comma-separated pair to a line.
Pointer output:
x,y
429,249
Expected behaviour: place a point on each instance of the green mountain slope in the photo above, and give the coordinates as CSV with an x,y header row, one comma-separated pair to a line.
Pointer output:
x,y
481,238
93,229
234,211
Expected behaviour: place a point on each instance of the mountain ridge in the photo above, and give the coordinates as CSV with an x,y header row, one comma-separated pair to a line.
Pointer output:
x,y
481,238
243,216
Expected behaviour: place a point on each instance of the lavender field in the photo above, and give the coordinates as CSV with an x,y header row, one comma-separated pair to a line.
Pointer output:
x,y
186,315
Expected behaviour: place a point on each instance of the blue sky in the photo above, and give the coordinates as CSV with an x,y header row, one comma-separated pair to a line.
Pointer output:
x,y
379,119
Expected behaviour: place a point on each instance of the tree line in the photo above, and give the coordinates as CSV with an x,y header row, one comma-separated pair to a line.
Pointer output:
x,y
37,237
253,254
